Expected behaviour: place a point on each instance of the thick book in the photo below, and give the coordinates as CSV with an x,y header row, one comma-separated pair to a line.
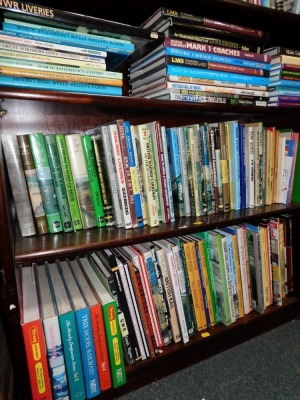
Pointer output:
x,y
85,332
18,184
58,182
208,193
54,345
111,323
168,174
164,13
45,181
32,184
184,159
69,332
214,149
98,328
68,181
33,335
81,179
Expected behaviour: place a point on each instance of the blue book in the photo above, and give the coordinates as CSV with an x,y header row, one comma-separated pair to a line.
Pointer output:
x,y
234,164
134,174
64,36
284,83
222,76
168,176
85,333
75,87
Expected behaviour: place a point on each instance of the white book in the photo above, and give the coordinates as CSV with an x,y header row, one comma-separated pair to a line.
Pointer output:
x,y
249,165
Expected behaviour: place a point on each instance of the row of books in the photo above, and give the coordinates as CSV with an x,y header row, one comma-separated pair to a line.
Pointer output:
x,y
46,54
134,300
281,5
124,175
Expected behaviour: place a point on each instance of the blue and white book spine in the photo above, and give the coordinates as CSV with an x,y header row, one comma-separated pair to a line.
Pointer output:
x,y
88,355
45,84
235,187
168,176
284,82
64,36
206,167
184,170
249,157
242,165
134,174
222,76
175,171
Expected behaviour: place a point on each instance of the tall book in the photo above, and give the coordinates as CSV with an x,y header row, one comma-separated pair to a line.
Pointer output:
x,y
45,180
91,167
224,161
58,181
207,167
69,333
97,323
32,184
69,181
55,352
33,335
183,155
214,145
18,184
85,332
81,179
168,175
288,244
111,323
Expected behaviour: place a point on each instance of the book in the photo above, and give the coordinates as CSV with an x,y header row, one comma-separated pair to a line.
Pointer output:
x,y
91,167
224,161
214,148
168,174
163,13
18,184
55,351
69,332
81,179
85,332
68,181
183,155
234,163
58,182
97,320
32,184
111,323
280,50
45,181
33,335
208,193
288,244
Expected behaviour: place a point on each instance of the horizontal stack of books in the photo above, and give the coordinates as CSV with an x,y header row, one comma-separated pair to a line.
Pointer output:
x,y
202,60
92,315
45,52
284,87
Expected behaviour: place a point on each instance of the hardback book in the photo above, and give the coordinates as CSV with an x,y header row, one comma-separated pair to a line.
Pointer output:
x,y
147,170
265,242
52,332
103,175
279,50
111,323
270,135
58,182
91,167
168,175
206,168
81,179
288,244
45,181
18,184
98,328
33,335
183,155
224,163
108,268
32,184
69,332
69,181
214,146
85,332
111,134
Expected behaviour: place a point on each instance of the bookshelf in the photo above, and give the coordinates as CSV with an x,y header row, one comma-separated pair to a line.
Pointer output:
x,y
32,110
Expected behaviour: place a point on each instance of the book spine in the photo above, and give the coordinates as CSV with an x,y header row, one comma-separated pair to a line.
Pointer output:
x,y
206,166
184,170
58,181
18,184
44,177
81,180
235,189
133,174
168,176
69,182
207,98
212,147
191,45
32,184
90,161
198,182
224,167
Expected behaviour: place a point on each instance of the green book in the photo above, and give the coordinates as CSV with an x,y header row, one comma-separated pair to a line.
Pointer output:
x,y
58,181
44,176
90,160
69,182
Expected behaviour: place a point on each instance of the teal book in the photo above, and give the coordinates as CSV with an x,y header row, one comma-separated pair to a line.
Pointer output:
x,y
85,332
58,181
69,334
44,177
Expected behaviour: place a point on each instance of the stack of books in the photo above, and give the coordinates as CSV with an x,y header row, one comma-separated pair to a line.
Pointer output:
x,y
284,84
202,60
49,53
